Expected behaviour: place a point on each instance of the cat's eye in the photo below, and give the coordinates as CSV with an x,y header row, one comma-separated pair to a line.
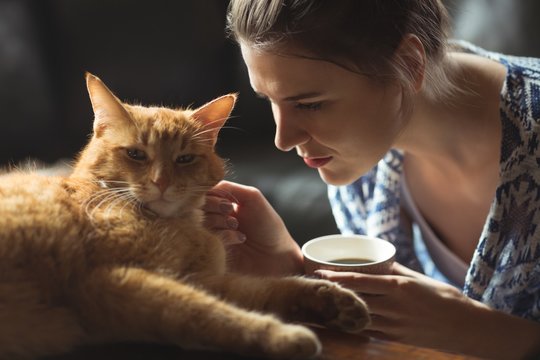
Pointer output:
x,y
136,154
185,159
309,106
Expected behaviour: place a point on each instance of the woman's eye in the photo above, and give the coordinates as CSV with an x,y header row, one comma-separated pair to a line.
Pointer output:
x,y
185,159
136,154
309,106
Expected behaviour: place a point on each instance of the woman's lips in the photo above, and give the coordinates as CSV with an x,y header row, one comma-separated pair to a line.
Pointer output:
x,y
317,162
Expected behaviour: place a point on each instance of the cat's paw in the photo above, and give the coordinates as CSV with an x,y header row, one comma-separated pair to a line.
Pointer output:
x,y
292,342
333,306
352,312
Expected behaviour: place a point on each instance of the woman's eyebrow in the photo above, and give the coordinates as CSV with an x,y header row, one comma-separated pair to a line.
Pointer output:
x,y
302,96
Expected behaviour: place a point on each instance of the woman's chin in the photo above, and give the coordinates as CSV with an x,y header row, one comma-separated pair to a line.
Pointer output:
x,y
337,178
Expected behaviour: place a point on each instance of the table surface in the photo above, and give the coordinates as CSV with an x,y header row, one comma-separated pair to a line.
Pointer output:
x,y
336,346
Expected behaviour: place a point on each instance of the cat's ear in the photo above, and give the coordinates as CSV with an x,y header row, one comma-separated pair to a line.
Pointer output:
x,y
214,114
107,108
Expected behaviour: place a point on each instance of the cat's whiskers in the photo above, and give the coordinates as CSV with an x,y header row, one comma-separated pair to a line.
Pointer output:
x,y
130,200
208,127
223,119
99,195
202,139
140,206
110,195
211,124
106,183
203,143
95,197
107,197
199,138
232,128
199,133
127,197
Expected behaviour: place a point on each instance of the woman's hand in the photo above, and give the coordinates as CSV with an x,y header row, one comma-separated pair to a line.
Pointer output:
x,y
258,241
412,308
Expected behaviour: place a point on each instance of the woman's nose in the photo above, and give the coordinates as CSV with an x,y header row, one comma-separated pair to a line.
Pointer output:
x,y
289,133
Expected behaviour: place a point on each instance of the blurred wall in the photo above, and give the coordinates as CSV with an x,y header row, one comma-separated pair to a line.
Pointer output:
x,y
507,26
154,52
162,52
174,52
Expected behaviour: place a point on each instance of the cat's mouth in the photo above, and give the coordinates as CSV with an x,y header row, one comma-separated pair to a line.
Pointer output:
x,y
162,207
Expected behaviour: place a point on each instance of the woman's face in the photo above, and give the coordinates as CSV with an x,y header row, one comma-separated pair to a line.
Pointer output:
x,y
339,122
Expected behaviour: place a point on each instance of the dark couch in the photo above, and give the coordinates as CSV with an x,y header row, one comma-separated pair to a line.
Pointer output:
x,y
175,53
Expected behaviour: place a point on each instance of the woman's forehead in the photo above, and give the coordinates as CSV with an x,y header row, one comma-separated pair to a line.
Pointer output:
x,y
289,75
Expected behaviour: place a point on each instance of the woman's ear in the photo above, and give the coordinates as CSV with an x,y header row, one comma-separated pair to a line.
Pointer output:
x,y
411,59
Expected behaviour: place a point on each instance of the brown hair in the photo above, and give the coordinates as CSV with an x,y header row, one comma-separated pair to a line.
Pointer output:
x,y
361,33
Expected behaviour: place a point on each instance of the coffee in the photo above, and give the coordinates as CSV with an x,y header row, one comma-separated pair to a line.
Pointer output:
x,y
351,261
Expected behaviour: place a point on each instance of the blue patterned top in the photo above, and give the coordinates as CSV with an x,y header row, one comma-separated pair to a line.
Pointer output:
x,y
505,269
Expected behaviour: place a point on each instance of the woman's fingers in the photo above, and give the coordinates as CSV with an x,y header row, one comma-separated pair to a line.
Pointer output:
x,y
218,205
381,305
220,222
231,237
224,190
219,216
362,283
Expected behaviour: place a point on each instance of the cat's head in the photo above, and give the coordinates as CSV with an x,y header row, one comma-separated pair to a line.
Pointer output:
x,y
163,157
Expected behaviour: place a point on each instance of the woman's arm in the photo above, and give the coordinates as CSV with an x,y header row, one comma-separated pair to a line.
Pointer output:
x,y
257,239
412,308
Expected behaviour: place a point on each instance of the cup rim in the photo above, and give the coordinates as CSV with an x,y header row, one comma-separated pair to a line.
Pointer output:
x,y
352,237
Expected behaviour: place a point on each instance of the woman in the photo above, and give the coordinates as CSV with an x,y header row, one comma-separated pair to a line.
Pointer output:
x,y
429,145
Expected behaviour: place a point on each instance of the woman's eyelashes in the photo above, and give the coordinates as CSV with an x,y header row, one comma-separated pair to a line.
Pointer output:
x,y
309,106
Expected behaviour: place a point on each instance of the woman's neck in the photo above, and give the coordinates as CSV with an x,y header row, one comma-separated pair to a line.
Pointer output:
x,y
461,134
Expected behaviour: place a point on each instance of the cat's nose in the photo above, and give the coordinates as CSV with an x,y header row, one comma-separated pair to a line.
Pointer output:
x,y
162,183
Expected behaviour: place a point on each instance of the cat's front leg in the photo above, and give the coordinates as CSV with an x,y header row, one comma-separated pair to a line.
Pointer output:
x,y
322,302
295,298
131,304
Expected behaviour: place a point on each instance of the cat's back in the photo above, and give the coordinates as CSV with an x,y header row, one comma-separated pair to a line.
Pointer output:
x,y
33,196
35,209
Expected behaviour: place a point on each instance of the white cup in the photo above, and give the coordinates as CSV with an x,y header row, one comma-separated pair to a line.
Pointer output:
x,y
356,253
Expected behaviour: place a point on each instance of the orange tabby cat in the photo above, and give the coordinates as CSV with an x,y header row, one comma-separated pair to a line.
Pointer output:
x,y
117,250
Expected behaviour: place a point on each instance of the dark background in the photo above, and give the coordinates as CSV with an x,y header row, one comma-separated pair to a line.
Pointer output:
x,y
174,52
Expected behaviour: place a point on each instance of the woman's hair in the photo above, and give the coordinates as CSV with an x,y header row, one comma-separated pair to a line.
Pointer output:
x,y
359,35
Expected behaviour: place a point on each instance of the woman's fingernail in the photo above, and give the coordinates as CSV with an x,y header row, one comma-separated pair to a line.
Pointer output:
x,y
225,207
242,237
232,223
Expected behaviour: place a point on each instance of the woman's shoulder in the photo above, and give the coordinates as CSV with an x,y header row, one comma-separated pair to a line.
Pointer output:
x,y
519,106
470,48
519,68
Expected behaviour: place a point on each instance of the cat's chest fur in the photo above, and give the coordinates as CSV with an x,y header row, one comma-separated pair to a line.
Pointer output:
x,y
62,238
